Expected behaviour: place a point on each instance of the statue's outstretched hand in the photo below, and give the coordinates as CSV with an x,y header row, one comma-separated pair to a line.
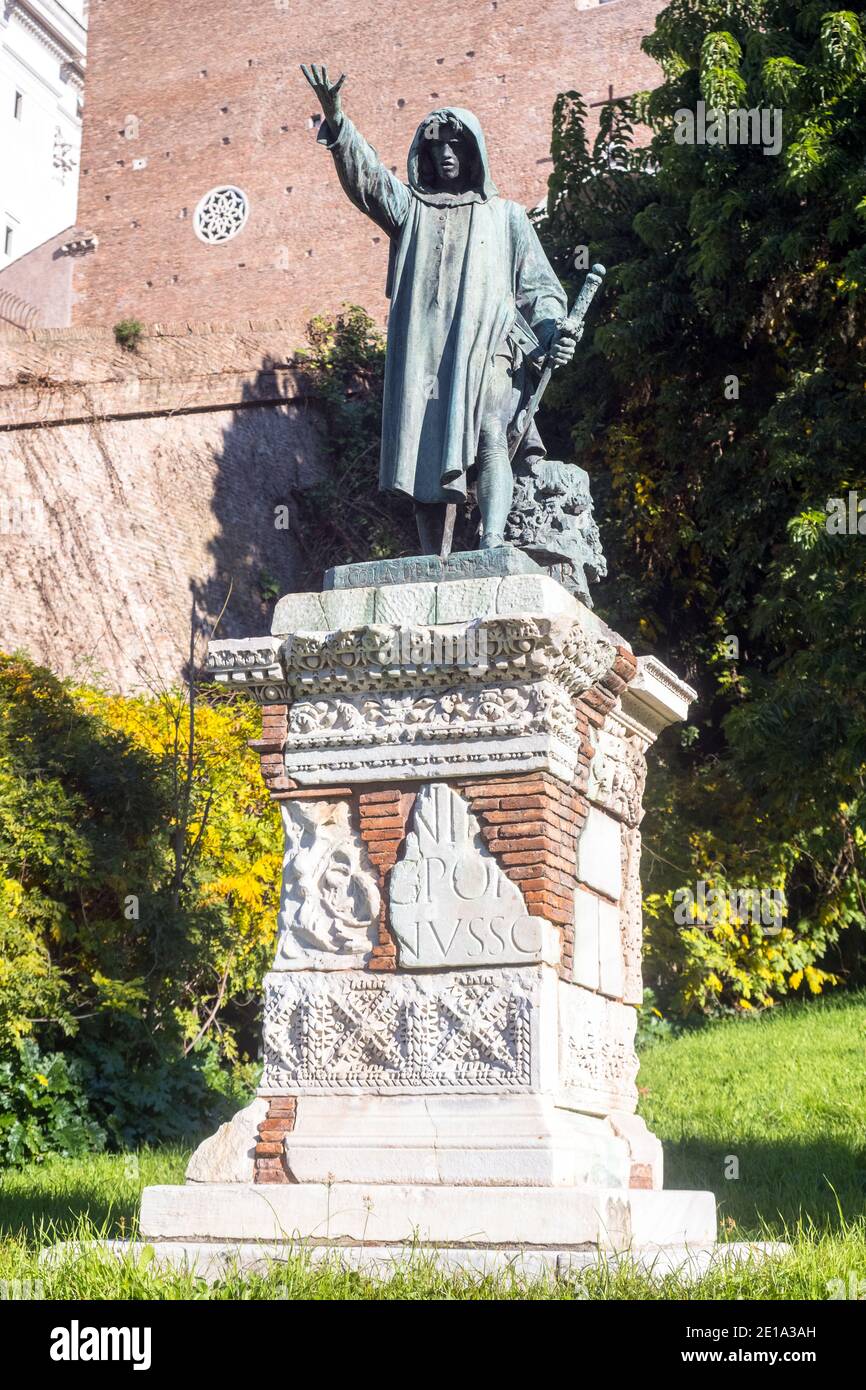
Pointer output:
x,y
327,92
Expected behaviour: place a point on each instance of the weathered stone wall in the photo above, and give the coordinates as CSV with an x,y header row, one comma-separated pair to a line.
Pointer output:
x,y
218,98
138,483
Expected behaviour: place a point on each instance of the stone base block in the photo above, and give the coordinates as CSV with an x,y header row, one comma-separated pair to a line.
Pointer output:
x,y
510,1141
214,1260
392,1214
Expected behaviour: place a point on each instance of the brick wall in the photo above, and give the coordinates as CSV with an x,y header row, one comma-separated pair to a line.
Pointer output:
x,y
218,98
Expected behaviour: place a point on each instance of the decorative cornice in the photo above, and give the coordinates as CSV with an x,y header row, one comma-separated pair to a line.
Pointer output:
x,y
385,657
62,43
654,699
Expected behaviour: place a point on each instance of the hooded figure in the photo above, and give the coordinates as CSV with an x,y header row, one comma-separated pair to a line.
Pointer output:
x,y
472,297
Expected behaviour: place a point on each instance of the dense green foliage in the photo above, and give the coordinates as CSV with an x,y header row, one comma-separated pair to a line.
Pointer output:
x,y
43,1106
139,868
718,405
773,1091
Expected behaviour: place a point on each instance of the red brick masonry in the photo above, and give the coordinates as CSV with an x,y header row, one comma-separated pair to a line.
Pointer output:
x,y
270,1163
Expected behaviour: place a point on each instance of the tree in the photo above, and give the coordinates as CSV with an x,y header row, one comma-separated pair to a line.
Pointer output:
x,y
719,404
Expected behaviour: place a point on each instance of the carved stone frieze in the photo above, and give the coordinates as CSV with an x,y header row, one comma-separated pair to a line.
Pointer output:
x,y
362,1032
501,649
598,1065
250,664
617,773
572,652
345,721
329,905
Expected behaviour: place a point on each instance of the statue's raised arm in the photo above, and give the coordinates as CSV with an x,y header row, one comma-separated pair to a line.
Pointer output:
x,y
369,184
327,92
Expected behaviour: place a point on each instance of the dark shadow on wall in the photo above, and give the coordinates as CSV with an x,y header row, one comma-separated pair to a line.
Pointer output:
x,y
269,452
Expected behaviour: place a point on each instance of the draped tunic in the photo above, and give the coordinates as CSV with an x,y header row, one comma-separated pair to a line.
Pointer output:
x,y
468,280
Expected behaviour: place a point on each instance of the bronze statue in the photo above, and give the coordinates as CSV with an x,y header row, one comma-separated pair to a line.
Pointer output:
x,y
476,313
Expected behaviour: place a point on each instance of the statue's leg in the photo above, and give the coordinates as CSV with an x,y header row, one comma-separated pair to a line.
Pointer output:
x,y
430,520
495,481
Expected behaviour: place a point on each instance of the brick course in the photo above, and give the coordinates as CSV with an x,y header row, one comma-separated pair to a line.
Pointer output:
x,y
270,1166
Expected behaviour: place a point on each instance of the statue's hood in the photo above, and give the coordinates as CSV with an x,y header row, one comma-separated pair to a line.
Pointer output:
x,y
420,171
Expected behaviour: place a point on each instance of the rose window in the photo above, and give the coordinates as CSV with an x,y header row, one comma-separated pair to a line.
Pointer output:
x,y
221,214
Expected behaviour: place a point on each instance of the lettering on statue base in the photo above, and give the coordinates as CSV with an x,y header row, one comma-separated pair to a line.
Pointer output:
x,y
450,902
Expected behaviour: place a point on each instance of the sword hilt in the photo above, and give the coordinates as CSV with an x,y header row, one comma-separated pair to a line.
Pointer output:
x,y
572,326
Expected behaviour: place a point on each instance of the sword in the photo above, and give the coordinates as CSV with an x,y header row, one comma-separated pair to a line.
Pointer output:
x,y
570,327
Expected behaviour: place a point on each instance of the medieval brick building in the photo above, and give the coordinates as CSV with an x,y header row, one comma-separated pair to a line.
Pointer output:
x,y
186,99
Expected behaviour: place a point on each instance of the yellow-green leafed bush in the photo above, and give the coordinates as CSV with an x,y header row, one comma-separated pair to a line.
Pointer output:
x,y
139,880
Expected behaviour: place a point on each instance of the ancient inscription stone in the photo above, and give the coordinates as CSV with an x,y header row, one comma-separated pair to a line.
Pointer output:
x,y
450,902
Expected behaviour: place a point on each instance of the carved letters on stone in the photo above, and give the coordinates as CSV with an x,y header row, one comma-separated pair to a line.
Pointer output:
x,y
329,906
450,902
362,1032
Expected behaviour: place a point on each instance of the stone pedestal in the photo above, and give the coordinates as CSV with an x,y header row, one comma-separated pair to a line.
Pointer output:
x,y
459,761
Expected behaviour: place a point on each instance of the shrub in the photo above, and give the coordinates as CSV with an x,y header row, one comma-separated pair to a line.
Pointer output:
x,y
139,878
43,1107
127,333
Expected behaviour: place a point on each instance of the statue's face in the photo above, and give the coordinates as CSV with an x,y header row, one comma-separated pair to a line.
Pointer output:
x,y
449,157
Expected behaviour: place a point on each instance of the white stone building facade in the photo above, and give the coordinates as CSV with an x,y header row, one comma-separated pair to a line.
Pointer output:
x,y
42,56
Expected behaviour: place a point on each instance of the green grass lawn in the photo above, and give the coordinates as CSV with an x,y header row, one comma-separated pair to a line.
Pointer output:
x,y
783,1094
